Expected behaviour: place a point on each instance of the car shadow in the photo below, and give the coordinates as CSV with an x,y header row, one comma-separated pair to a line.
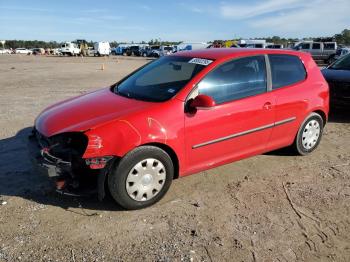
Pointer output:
x,y
19,178
339,115
286,151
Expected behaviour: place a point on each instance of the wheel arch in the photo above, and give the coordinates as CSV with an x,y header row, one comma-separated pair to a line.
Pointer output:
x,y
170,152
323,115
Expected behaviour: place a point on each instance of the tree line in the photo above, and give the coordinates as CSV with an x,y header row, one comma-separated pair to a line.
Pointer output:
x,y
342,38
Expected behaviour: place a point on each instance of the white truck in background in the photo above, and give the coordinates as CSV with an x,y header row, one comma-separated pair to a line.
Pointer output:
x,y
190,46
69,48
252,43
102,49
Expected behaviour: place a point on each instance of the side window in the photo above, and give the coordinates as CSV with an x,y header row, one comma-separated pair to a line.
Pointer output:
x,y
329,46
286,70
305,46
236,79
316,46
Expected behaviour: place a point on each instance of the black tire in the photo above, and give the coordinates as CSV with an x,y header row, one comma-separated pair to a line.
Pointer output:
x,y
299,145
117,179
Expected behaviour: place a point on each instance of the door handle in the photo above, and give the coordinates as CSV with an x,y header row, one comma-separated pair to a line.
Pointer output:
x,y
267,106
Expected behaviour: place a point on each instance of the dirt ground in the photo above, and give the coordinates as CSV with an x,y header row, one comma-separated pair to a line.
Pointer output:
x,y
272,207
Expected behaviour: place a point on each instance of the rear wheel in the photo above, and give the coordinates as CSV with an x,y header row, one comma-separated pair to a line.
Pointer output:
x,y
141,178
309,134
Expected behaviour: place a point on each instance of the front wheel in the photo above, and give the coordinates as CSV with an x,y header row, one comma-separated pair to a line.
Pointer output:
x,y
309,134
141,178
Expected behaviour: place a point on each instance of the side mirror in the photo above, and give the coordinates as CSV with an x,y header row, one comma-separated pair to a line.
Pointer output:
x,y
202,102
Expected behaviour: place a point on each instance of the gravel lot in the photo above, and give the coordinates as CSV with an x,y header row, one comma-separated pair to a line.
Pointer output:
x,y
272,207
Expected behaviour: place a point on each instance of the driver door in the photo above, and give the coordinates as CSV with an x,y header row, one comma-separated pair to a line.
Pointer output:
x,y
241,122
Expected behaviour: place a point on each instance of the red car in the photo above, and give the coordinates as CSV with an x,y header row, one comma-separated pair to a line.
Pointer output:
x,y
179,115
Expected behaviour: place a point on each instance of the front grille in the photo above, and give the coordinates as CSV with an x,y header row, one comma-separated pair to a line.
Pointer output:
x,y
65,146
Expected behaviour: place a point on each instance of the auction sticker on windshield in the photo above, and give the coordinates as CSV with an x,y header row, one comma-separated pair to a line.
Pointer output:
x,y
200,61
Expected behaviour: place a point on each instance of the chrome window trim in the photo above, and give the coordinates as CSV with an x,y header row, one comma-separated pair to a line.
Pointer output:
x,y
257,129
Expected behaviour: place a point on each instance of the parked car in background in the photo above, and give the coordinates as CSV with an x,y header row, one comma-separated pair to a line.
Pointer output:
x,y
162,51
5,51
56,51
274,46
149,51
166,50
38,51
338,78
255,45
120,49
69,48
191,46
341,52
24,51
154,125
252,43
324,51
102,49
133,50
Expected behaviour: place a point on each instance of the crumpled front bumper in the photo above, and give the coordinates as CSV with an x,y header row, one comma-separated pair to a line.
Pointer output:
x,y
61,172
45,163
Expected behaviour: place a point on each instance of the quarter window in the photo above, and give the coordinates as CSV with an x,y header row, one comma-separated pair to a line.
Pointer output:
x,y
286,70
236,79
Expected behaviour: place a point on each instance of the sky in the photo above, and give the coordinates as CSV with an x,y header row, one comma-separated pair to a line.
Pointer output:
x,y
190,20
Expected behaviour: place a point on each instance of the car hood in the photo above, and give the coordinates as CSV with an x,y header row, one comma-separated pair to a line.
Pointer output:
x,y
336,75
85,112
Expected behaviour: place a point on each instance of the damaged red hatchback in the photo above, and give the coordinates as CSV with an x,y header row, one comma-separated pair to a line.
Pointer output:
x,y
179,115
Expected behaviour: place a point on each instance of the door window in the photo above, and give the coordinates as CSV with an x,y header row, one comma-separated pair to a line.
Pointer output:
x,y
286,70
236,79
329,46
316,46
305,46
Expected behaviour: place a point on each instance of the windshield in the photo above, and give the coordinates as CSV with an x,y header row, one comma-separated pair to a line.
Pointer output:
x,y
342,64
162,79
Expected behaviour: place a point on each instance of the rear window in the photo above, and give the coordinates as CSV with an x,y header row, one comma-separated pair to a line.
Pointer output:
x,y
286,70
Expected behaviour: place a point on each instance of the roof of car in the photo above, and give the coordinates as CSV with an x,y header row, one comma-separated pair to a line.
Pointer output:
x,y
218,53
